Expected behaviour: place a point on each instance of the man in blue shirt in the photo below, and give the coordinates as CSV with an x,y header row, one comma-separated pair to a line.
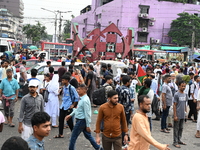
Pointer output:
x,y
9,95
83,119
69,101
41,128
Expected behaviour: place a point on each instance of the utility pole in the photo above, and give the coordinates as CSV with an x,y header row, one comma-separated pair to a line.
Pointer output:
x,y
60,25
192,45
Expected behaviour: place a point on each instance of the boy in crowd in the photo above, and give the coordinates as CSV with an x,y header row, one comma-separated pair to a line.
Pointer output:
x,y
180,99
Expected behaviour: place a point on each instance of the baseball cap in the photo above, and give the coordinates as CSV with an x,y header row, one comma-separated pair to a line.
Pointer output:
x,y
34,83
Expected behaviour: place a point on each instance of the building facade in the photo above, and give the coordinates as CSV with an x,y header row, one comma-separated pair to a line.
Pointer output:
x,y
15,14
150,19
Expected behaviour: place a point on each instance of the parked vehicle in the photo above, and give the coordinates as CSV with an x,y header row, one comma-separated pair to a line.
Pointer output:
x,y
40,68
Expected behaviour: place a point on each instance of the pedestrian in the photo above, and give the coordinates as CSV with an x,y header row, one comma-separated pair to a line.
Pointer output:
x,y
30,104
5,67
197,135
97,69
140,135
41,128
33,77
113,126
46,69
9,89
61,71
108,84
179,107
52,106
83,119
2,120
166,103
69,101
193,99
15,143
23,77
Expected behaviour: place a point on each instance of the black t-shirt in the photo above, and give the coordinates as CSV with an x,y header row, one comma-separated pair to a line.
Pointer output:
x,y
89,76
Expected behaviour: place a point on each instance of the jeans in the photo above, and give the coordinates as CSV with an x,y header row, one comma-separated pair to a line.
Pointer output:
x,y
164,118
79,127
128,116
193,109
178,130
63,114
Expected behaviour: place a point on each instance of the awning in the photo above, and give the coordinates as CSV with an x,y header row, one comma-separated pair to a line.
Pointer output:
x,y
171,48
185,50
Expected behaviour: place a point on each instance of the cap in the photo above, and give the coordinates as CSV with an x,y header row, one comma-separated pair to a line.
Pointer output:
x,y
34,83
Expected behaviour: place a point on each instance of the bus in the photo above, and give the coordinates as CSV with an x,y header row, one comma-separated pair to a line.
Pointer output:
x,y
150,54
5,46
58,49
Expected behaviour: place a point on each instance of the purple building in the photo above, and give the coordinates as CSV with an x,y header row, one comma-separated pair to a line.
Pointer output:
x,y
149,18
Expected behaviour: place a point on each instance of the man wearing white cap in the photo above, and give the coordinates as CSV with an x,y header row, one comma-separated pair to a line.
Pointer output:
x,y
30,104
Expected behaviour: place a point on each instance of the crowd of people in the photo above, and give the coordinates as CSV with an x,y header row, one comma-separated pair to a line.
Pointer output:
x,y
68,94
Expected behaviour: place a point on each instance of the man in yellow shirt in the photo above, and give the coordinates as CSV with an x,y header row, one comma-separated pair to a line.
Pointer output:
x,y
140,135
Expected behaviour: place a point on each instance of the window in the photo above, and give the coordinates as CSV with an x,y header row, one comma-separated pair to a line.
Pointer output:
x,y
99,16
142,36
103,2
143,22
83,33
144,9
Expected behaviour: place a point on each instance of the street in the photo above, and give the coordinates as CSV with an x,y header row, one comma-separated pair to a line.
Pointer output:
x,y
83,144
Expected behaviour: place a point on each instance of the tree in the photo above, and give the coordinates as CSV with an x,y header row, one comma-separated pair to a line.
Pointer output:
x,y
183,27
35,32
67,28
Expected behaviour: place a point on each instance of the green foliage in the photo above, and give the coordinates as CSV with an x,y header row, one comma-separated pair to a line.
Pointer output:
x,y
67,28
182,28
35,32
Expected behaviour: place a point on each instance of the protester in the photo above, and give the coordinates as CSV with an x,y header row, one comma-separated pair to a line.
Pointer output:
x,y
41,125
52,106
180,99
166,103
9,89
140,135
31,103
2,120
69,101
23,78
15,143
61,71
46,69
113,126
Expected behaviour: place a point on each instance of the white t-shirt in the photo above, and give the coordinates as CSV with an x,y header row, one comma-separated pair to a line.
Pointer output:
x,y
2,119
134,83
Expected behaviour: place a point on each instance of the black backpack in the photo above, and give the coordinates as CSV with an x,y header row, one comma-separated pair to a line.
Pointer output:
x,y
99,96
155,104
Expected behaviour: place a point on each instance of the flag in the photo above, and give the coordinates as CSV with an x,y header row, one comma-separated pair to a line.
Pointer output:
x,y
140,74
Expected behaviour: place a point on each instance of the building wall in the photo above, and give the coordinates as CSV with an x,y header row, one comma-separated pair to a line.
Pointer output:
x,y
124,13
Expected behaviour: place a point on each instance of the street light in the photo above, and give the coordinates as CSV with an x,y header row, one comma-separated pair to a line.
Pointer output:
x,y
56,13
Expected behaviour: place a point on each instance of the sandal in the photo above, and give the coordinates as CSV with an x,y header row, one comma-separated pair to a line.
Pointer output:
x,y
58,136
164,130
11,125
56,126
197,136
5,123
177,146
182,143
168,129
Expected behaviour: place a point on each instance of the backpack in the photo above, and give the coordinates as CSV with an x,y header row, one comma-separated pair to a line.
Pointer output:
x,y
99,96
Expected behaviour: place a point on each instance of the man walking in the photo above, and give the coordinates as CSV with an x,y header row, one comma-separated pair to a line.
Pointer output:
x,y
9,95
140,135
69,101
113,126
41,128
83,119
23,78
30,104
166,102
180,99
61,71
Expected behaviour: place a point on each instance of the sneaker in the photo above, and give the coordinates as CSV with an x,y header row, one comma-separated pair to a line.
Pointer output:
x,y
101,148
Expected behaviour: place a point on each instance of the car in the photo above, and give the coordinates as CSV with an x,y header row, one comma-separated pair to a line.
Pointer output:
x,y
29,63
114,65
40,68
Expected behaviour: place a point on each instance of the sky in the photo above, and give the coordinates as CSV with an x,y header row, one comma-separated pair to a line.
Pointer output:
x,y
34,13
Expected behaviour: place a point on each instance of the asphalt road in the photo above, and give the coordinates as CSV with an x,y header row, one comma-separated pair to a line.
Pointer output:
x,y
83,144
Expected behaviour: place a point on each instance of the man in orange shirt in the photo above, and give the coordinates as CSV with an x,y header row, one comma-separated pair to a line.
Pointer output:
x,y
113,116
140,135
